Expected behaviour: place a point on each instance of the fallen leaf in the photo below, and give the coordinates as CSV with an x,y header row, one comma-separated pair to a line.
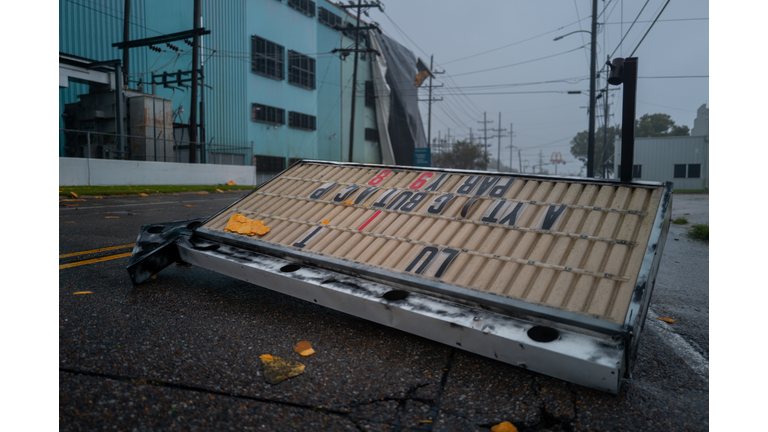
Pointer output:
x,y
189,205
425,421
325,222
97,197
504,427
143,194
667,320
73,194
304,348
231,182
219,191
83,292
242,225
277,370
111,217
153,277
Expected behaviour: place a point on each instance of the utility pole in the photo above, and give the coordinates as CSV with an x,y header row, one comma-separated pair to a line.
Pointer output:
x,y
603,158
520,160
429,120
541,161
511,147
356,29
498,150
193,101
126,38
593,61
485,137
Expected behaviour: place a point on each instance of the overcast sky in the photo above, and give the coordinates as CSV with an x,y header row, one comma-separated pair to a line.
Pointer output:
x,y
508,45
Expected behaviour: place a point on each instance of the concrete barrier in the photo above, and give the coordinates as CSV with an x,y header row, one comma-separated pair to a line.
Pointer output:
x,y
108,172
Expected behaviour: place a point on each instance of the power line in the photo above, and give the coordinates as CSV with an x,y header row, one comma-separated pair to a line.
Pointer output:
x,y
629,29
649,28
520,63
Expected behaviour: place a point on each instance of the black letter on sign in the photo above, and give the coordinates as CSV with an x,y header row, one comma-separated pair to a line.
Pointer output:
x,y
485,185
499,190
384,198
428,249
322,190
512,217
465,209
442,200
490,214
446,262
551,217
365,194
469,184
344,193
313,232
400,200
436,183
415,200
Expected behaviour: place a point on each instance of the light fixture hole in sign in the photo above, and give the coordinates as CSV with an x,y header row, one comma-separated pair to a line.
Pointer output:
x,y
543,334
290,268
396,295
156,229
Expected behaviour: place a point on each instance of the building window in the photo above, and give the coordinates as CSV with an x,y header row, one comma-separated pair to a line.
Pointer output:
x,y
370,97
301,121
694,170
679,170
307,7
328,18
637,171
301,70
267,114
269,164
371,135
267,58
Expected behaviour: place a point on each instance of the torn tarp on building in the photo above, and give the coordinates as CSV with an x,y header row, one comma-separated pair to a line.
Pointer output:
x,y
398,101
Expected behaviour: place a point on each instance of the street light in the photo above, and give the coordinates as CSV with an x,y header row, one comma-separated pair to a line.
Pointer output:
x,y
593,61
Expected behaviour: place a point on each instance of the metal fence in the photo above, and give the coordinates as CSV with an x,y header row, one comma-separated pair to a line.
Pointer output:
x,y
160,148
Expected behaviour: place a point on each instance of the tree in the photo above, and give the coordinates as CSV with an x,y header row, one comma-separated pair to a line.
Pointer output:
x,y
658,125
579,148
462,155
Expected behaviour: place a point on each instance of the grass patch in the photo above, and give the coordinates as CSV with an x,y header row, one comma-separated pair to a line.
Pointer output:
x,y
692,191
680,221
699,232
147,189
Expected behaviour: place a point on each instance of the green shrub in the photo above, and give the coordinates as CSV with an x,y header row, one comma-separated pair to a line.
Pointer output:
x,y
699,232
680,221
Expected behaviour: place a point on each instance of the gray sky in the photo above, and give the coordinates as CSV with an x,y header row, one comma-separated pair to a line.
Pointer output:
x,y
502,42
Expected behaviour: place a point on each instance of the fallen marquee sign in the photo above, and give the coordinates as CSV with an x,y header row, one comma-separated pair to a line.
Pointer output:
x,y
552,274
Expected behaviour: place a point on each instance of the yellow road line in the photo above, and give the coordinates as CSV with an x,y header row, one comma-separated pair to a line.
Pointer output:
x,y
95,250
94,260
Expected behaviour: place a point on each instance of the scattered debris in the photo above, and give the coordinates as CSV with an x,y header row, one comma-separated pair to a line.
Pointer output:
x,y
203,193
82,292
504,427
277,370
666,320
111,217
231,182
304,348
189,205
143,194
242,225
325,222
219,190
73,194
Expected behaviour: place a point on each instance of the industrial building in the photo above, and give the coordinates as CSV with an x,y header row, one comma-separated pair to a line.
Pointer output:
x,y
682,160
277,85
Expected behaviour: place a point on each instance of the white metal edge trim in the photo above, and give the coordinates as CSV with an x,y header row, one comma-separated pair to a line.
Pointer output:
x,y
590,361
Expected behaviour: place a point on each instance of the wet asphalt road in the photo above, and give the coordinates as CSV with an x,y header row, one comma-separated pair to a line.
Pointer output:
x,y
181,352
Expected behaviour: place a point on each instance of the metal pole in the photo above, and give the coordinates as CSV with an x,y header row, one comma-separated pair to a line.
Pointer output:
x,y
520,160
485,139
126,37
88,140
193,100
593,61
119,110
498,154
354,83
628,118
511,148
429,118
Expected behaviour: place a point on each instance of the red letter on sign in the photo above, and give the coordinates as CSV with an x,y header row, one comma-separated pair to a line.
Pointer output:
x,y
421,181
379,177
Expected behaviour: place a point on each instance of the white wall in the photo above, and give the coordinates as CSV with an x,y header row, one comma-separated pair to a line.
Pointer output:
x,y
107,172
